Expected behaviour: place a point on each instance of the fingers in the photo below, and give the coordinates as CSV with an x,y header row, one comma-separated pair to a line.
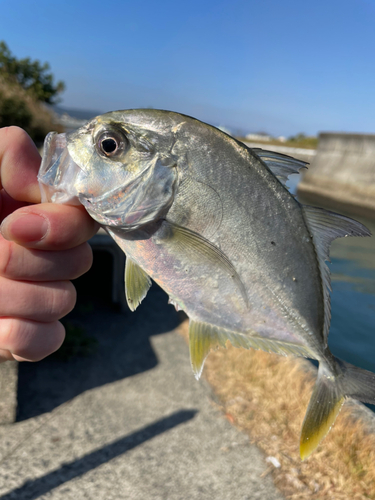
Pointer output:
x,y
44,301
49,227
25,340
19,263
19,165
41,247
44,246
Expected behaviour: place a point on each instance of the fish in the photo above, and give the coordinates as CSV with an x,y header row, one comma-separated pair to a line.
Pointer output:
x,y
212,222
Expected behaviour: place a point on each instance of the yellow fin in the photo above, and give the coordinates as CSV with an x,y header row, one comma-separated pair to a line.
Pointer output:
x,y
137,284
324,406
204,337
251,341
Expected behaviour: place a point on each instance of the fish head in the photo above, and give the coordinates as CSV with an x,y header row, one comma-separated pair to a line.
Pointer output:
x,y
119,166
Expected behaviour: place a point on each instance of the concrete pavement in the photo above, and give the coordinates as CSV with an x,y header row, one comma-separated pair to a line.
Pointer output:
x,y
126,422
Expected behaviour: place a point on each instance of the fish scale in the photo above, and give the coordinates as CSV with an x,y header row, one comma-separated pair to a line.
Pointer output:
x,y
265,215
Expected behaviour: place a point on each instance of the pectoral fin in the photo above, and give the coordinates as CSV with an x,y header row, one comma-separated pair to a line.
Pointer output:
x,y
137,284
192,242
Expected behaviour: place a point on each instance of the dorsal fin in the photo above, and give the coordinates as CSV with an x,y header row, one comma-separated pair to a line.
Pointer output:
x,y
325,227
280,165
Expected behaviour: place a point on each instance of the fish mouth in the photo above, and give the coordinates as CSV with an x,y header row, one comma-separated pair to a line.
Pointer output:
x,y
58,174
130,204
61,180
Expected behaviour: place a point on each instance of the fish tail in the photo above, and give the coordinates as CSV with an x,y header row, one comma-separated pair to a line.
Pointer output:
x,y
327,398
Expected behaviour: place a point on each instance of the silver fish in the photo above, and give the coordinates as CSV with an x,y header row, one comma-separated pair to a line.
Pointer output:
x,y
212,222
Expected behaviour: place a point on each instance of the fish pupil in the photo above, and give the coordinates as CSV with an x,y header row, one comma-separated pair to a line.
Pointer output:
x,y
109,145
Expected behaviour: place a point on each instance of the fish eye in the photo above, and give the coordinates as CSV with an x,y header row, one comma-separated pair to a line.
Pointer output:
x,y
110,143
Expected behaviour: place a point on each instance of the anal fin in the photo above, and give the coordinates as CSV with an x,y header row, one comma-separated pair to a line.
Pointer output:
x,y
204,337
137,284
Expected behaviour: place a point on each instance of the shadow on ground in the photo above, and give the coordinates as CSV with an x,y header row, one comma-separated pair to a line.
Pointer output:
x,y
121,345
33,489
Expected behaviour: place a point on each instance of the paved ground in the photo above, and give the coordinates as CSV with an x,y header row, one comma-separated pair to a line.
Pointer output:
x,y
126,422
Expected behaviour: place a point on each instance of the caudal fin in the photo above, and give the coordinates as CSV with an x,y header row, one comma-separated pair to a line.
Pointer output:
x,y
327,398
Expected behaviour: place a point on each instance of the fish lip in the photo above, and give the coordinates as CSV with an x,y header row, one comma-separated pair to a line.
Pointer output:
x,y
57,170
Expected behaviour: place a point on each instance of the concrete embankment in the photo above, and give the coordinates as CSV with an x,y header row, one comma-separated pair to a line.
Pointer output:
x,y
342,174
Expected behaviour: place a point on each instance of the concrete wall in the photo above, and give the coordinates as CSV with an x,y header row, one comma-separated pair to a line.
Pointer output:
x,y
342,174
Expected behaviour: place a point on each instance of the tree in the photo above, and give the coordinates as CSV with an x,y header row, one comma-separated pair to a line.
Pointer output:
x,y
31,75
14,112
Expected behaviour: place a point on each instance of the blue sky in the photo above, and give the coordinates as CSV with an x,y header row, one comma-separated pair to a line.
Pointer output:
x,y
257,65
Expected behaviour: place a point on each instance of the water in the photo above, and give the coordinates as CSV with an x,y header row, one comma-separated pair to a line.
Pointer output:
x,y
352,333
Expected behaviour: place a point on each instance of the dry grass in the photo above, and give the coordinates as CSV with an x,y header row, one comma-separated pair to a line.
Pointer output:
x,y
266,396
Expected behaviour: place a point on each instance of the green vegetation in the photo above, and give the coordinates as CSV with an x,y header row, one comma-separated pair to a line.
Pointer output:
x,y
302,141
30,75
26,87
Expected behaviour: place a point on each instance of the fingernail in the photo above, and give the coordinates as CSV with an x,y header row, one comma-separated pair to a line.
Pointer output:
x,y
24,228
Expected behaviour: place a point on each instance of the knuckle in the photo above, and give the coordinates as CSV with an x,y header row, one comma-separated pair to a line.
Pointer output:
x,y
12,260
29,340
62,299
44,302
6,251
57,338
7,333
83,259
46,339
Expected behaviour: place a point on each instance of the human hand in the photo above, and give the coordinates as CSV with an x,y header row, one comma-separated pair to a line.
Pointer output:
x,y
42,246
